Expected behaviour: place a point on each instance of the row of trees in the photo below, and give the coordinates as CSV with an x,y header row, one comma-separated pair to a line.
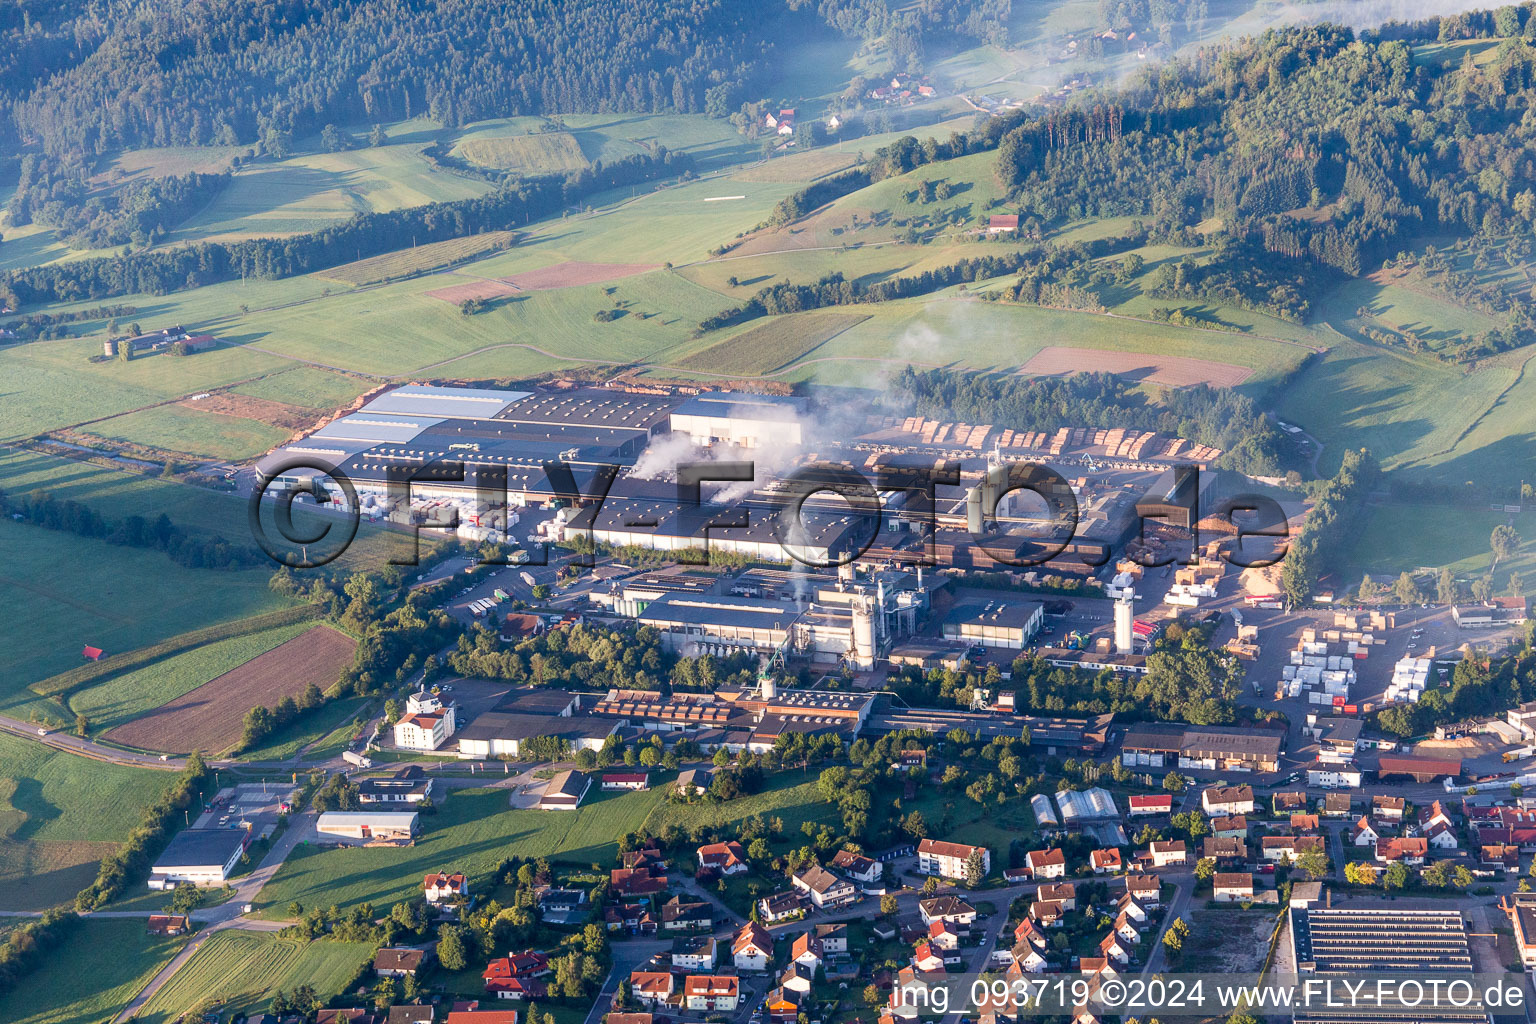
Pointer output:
x,y
132,858
1336,507
192,550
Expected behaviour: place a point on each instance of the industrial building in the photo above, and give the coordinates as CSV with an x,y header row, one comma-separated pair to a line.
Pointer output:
x,y
1354,942
198,856
741,419
565,791
1217,747
388,826
501,734
993,622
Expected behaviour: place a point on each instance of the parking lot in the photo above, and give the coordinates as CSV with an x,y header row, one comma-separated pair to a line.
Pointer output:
x,y
252,805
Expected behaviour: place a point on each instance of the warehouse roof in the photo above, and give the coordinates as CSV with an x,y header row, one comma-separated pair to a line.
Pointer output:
x,y
201,847
457,403
721,610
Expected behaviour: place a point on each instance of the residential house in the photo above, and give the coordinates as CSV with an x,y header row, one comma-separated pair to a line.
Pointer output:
x,y
1500,856
1305,823
927,959
752,948
1289,803
948,860
1149,805
651,988
1114,948
781,906
783,1005
398,962
1388,808
1219,800
1412,851
833,937
725,858
1441,836
1126,928
517,975
806,951
1133,909
1046,864
823,887
1224,851
427,723
1168,853
1288,848
633,883
626,780
944,935
711,993
1106,862
679,915
859,868
797,978
1146,889
167,924
1233,887
420,1013
1364,833
442,887
472,1015
634,918
1337,805
1002,223
694,953
946,908
1064,893
1230,826
1046,913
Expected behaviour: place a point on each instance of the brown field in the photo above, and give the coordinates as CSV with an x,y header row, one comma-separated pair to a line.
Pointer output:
x,y
575,272
474,289
405,262
209,718
772,345
263,410
1171,371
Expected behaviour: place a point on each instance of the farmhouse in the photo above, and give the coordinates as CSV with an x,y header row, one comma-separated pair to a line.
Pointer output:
x,y
398,962
393,826
198,856
441,887
565,791
167,924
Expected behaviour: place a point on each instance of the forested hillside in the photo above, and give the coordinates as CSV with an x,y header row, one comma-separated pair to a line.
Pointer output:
x,y
94,76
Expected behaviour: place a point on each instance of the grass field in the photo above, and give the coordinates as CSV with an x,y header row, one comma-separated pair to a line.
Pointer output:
x,y
535,154
60,814
100,966
472,831
807,166
307,386
769,346
790,794
191,431
1412,413
1399,536
243,969
419,258
312,190
66,591
125,697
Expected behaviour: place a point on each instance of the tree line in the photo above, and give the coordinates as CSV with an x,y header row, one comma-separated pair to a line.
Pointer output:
x,y
1336,508
191,550
60,196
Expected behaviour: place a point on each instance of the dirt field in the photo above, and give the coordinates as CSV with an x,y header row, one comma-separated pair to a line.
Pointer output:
x,y
209,717
565,275
472,289
1466,747
1173,371
277,414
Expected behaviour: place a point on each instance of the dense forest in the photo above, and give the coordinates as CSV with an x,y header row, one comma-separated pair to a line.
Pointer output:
x,y
904,28
1213,416
1304,144
141,212
94,76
